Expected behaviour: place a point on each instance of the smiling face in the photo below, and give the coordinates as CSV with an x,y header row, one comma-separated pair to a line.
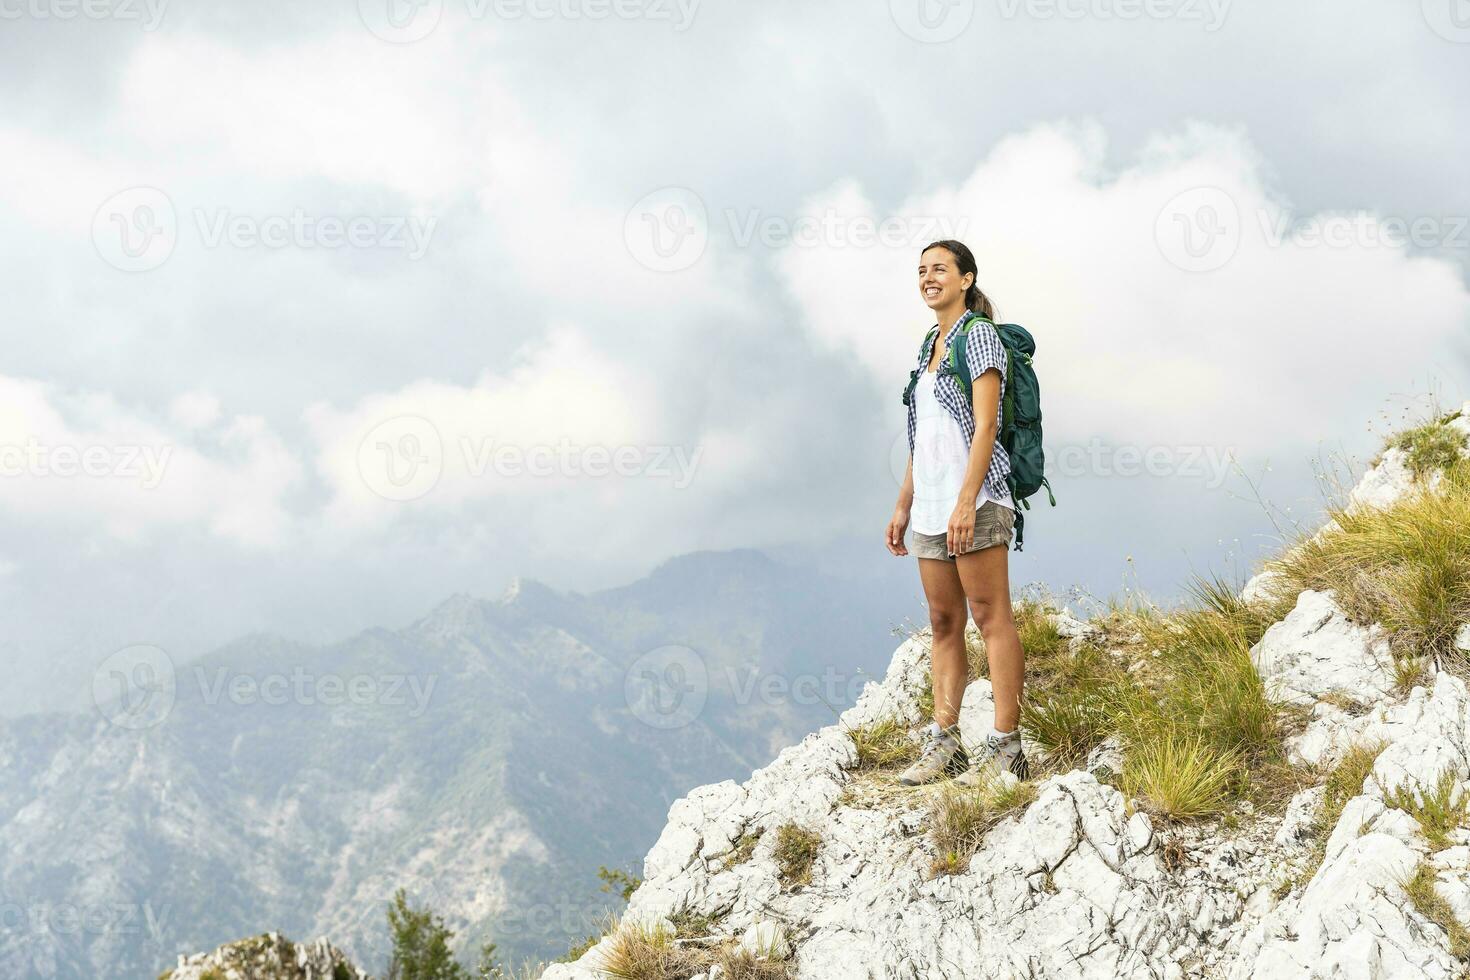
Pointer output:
x,y
940,282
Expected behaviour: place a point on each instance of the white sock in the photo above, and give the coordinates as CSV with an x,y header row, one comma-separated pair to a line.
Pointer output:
x,y
997,733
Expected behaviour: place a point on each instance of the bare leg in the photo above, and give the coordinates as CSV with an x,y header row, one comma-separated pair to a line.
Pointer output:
x,y
947,662
986,578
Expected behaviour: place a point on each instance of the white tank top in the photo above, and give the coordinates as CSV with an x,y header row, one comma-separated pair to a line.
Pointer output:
x,y
941,456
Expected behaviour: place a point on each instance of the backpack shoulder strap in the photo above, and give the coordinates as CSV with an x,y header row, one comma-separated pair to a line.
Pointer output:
x,y
908,391
959,361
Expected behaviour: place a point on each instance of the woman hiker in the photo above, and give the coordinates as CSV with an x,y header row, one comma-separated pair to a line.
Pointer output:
x,y
956,496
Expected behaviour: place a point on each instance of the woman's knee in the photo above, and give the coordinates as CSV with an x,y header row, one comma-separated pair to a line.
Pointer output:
x,y
946,621
990,615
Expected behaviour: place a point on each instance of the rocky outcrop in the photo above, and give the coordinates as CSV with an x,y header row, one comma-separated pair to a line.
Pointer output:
x,y
1081,883
267,957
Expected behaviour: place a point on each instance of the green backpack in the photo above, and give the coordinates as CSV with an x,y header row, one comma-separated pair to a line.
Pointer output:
x,y
1020,408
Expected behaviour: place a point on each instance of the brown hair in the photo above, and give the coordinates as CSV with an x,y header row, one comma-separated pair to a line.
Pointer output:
x,y
975,298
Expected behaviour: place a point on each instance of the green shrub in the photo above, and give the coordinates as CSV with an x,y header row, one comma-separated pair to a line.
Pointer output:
x,y
1430,447
1439,810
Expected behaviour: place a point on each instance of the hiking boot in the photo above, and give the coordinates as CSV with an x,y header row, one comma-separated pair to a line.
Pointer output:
x,y
942,755
994,756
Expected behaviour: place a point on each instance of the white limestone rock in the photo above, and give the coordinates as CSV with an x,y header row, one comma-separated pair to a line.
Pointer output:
x,y
766,939
1385,484
1077,884
1259,587
1316,651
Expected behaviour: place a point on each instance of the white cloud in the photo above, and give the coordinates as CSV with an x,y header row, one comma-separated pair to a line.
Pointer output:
x,y
491,439
194,409
84,460
347,108
1281,345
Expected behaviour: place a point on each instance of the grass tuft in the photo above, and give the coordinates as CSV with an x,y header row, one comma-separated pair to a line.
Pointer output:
x,y
796,852
883,744
1406,567
641,951
1181,777
1430,447
1439,811
960,817
1421,890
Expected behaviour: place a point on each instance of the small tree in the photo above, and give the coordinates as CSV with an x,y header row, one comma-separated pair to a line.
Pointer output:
x,y
625,881
420,944
489,968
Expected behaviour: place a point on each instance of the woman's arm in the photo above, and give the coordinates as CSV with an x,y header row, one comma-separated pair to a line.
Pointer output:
x,y
899,522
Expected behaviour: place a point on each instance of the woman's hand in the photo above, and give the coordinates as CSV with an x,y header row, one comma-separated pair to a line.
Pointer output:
x,y
897,525
961,532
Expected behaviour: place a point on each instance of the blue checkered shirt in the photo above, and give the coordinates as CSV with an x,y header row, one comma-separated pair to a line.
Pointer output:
x,y
983,350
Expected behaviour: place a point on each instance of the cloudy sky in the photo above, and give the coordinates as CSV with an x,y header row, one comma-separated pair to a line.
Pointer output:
x,y
317,313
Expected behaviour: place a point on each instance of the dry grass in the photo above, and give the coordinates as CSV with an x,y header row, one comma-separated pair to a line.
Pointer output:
x,y
960,816
1406,567
1180,777
1421,890
884,744
1196,725
795,853
641,951
743,849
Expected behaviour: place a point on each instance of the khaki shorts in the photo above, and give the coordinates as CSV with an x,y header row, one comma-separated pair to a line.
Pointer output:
x,y
993,525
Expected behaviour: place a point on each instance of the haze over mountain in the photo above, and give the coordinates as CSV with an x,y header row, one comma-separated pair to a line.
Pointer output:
x,y
488,758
